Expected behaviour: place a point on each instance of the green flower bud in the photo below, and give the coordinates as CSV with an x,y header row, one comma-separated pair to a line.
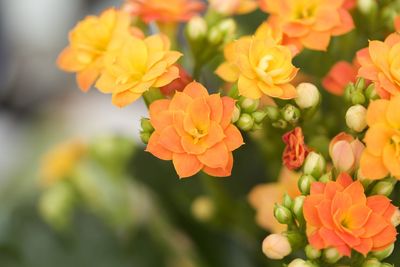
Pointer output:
x,y
245,122
366,6
257,126
383,254
272,113
227,27
371,93
215,36
360,84
371,263
259,116
145,137
384,187
287,201
326,177
248,105
281,124
356,118
312,253
358,98
304,183
282,214
146,125
314,165
296,239
291,114
235,114
196,28
348,92
387,265
297,208
308,95
331,255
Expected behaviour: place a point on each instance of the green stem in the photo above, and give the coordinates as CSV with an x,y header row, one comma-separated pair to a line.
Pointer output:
x,y
152,95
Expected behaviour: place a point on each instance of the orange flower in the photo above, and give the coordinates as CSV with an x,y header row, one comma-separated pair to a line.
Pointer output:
x,y
345,152
89,41
194,130
382,154
177,84
311,22
164,11
339,76
338,214
264,196
137,66
295,151
380,64
232,7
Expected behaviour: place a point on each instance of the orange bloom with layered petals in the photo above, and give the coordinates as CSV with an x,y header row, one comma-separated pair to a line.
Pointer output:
x,y
381,156
194,130
380,63
164,11
311,22
89,41
338,214
339,76
296,150
264,196
137,66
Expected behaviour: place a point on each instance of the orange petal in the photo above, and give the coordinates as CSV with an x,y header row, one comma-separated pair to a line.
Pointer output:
x,y
195,90
171,140
374,225
215,103
156,149
160,117
358,216
346,23
316,40
310,210
228,107
295,29
214,136
386,237
364,247
199,112
326,19
215,157
316,240
372,167
378,203
186,165
124,98
228,72
248,88
324,213
221,172
180,102
289,91
68,61
377,111
391,160
171,74
377,136
233,139
86,78
344,179
392,113
356,192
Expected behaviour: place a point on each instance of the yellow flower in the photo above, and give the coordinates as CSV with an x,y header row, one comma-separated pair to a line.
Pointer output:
x,y
59,162
136,66
89,41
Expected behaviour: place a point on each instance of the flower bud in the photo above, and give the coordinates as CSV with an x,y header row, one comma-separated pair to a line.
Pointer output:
x,y
272,113
203,208
315,164
386,265
276,246
371,93
196,28
348,92
287,201
245,122
297,208
396,218
326,177
282,214
358,98
383,254
248,105
235,114
280,124
227,27
384,187
371,263
366,6
304,183
145,137
307,95
259,116
331,255
360,84
215,36
291,114
257,126
312,253
146,125
298,263
356,118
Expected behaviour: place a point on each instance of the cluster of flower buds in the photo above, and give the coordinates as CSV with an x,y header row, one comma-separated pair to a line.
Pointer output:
x,y
147,130
247,115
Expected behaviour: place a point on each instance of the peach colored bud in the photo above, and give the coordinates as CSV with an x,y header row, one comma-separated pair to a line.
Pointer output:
x,y
276,246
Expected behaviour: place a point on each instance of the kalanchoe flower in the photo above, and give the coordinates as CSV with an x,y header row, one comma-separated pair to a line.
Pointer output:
x,y
194,130
345,152
382,154
296,150
339,215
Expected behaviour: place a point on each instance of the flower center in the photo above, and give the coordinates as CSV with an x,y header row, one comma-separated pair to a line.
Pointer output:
x,y
197,134
304,9
396,142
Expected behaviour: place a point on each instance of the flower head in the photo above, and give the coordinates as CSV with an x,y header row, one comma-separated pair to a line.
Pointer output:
x,y
89,41
164,11
231,7
345,152
194,130
382,154
339,76
276,246
295,151
310,22
136,66
380,63
339,215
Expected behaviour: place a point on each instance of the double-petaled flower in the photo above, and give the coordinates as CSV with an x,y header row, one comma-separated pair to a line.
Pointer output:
x,y
296,150
194,130
339,215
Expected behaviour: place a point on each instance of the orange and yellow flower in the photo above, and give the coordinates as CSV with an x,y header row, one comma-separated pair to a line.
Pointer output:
x,y
194,130
264,196
311,22
380,63
295,150
338,214
232,7
137,66
170,11
339,76
89,42
381,156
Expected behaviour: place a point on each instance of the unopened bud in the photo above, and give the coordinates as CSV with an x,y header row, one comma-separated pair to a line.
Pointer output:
x,y
360,84
197,28
291,114
384,187
259,116
276,246
331,255
312,253
304,183
272,113
235,114
383,254
280,124
287,201
245,122
299,263
396,218
371,93
348,92
248,105
227,27
356,118
146,125
297,208
282,214
371,263
215,36
308,95
326,177
366,6
314,165
145,137
358,98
